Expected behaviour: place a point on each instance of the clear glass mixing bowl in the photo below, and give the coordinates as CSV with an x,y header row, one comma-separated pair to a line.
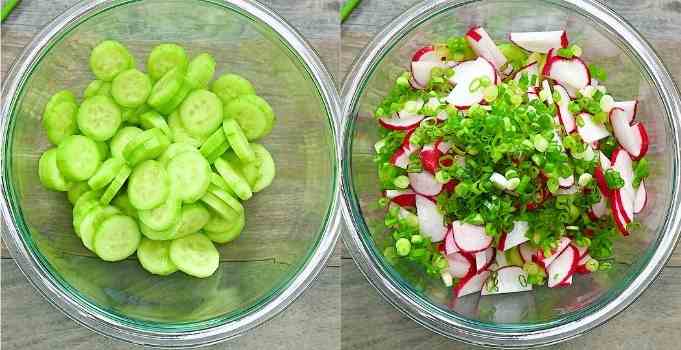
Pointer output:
x,y
544,316
291,226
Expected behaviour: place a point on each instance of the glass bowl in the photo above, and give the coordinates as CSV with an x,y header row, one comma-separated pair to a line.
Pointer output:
x,y
291,226
544,316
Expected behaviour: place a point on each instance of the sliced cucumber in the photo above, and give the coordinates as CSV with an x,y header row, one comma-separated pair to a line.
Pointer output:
x,y
230,86
109,58
164,90
115,185
122,138
177,99
86,202
116,238
59,121
175,149
148,186
194,217
267,169
122,202
230,230
238,141
145,146
91,222
179,133
154,256
49,173
236,181
218,152
189,175
131,88
195,255
165,57
201,113
164,216
99,118
78,158
221,223
226,198
102,149
254,115
213,142
152,119
77,190
106,173
250,171
200,70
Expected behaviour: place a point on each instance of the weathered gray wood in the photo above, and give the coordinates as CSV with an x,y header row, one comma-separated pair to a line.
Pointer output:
x,y
369,322
30,322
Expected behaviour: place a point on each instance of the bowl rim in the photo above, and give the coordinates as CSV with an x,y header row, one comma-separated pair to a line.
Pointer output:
x,y
436,319
87,315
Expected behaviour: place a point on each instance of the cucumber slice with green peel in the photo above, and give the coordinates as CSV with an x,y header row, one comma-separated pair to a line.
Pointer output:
x,y
201,113
103,149
176,100
200,70
250,171
253,114
116,238
122,202
218,181
49,173
94,88
86,202
267,169
213,142
91,222
164,216
230,86
115,185
195,255
238,141
179,132
59,121
218,205
106,173
227,198
154,256
193,218
59,97
77,190
147,145
152,119
175,149
164,89
165,57
78,158
121,139
131,88
132,115
99,118
217,152
220,222
189,174
109,58
159,235
231,233
149,185
236,181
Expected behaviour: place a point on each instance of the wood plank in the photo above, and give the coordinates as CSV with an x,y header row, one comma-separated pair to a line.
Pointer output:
x,y
651,323
30,322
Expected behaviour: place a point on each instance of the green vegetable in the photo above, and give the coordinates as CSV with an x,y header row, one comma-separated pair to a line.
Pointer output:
x,y
613,179
641,171
347,8
598,73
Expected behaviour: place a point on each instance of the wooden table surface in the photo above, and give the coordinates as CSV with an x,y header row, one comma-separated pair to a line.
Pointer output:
x,y
652,322
29,322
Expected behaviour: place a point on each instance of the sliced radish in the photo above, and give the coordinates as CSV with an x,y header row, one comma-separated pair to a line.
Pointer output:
x,y
591,131
566,117
442,146
546,86
618,218
426,53
625,203
420,71
442,115
471,284
562,267
566,182
641,198
509,279
570,72
581,265
431,221
484,259
530,69
527,252
633,138
630,108
515,237
461,265
430,155
470,238
599,209
604,160
403,198
546,261
566,283
580,250
424,183
483,45
540,42
465,73
621,161
401,123
450,246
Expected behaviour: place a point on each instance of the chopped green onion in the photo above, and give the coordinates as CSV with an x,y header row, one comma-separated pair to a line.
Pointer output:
x,y
613,179
512,184
403,247
442,177
416,239
574,107
598,73
491,93
592,265
641,171
401,181
576,50
540,143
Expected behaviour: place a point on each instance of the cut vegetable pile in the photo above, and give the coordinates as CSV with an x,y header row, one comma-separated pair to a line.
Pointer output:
x,y
507,166
156,163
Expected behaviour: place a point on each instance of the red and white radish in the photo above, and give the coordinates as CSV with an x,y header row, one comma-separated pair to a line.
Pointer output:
x,y
630,108
450,246
461,265
484,259
420,71
424,183
431,221
567,71
581,250
515,237
563,266
547,260
509,279
470,238
567,120
641,198
530,70
599,209
471,284
430,155
426,53
618,218
401,123
581,264
465,74
591,131
633,138
483,45
527,252
403,198
566,182
540,42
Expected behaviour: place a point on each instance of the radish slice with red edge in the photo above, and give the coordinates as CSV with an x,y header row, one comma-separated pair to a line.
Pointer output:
x,y
405,198
461,265
465,73
483,45
515,237
630,108
633,138
530,70
426,53
546,261
580,250
420,71
567,71
508,279
566,283
599,209
424,183
566,182
450,246
401,123
540,42
591,131
470,284
562,267
484,259
641,198
567,120
431,221
470,238
430,155
618,217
